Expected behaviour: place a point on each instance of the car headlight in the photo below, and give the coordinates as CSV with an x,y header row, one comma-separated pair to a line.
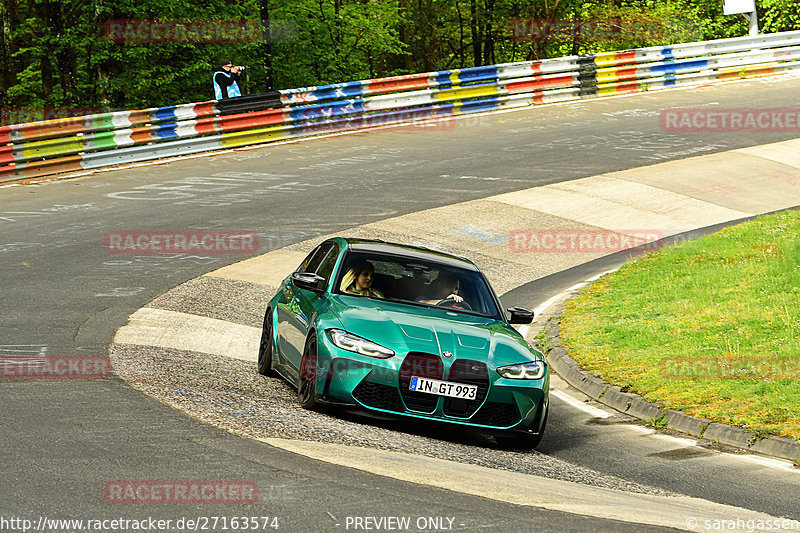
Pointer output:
x,y
532,370
354,343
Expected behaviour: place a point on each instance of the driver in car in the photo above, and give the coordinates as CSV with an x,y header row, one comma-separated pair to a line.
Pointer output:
x,y
445,287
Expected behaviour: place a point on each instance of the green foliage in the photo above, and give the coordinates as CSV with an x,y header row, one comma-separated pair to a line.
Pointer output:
x,y
710,326
54,52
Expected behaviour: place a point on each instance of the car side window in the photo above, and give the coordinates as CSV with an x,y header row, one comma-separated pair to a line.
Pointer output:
x,y
326,266
313,260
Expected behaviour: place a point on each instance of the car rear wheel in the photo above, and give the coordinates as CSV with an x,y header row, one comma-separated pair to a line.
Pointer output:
x,y
265,346
521,441
307,390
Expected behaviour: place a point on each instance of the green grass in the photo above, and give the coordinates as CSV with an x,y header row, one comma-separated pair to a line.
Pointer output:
x,y
710,327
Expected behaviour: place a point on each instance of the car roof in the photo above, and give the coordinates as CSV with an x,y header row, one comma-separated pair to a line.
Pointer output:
x,y
409,251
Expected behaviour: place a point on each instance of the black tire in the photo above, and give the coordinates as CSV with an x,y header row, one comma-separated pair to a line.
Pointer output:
x,y
523,442
265,347
307,389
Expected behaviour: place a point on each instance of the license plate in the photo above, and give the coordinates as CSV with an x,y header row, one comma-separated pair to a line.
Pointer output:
x,y
443,388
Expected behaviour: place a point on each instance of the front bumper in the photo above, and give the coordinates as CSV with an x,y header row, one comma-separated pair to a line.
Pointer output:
x,y
380,386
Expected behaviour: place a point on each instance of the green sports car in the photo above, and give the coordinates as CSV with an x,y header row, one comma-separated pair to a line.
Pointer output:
x,y
408,332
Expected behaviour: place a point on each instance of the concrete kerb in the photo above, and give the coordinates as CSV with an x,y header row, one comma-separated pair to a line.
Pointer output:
x,y
634,405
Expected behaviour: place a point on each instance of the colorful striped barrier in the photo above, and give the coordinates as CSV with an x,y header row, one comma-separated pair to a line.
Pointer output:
x,y
94,141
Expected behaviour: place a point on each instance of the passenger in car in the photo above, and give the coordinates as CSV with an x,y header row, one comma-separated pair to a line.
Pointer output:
x,y
358,280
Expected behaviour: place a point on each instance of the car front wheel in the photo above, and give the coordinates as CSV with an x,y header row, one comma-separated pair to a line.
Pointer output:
x,y
307,390
265,347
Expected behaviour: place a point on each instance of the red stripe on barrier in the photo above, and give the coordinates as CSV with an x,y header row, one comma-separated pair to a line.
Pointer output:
x,y
49,129
5,134
6,154
140,117
205,109
629,56
628,88
8,171
244,121
537,67
543,83
42,168
207,125
626,73
141,135
398,83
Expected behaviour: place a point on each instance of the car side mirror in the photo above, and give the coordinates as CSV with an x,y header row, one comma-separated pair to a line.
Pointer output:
x,y
308,281
520,315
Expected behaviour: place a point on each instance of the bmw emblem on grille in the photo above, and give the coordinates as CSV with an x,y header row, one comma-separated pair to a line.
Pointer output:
x,y
447,354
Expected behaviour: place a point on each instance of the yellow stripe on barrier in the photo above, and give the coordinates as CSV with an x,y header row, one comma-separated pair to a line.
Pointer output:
x,y
607,75
748,71
615,88
261,135
467,92
610,59
63,146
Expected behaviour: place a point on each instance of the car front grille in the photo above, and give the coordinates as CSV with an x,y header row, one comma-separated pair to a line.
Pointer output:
x,y
496,414
378,395
471,373
424,365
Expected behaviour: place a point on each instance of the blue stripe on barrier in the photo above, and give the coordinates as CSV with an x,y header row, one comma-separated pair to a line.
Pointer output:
x,y
162,114
667,52
677,66
479,74
443,78
484,104
166,131
670,80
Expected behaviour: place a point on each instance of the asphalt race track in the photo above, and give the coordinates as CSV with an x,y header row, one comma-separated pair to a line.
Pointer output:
x,y
63,294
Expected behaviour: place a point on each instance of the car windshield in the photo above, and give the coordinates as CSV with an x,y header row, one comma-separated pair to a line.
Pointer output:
x,y
416,282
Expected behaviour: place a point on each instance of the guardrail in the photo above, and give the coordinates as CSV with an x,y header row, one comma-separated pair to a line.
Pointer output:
x,y
93,141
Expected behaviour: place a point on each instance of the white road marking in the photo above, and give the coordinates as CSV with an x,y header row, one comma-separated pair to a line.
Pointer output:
x,y
183,331
766,461
676,440
640,429
576,403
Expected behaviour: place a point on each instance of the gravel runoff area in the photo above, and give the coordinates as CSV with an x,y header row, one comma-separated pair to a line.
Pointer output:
x,y
231,395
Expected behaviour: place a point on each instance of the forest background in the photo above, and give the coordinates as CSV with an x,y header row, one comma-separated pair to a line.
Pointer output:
x,y
74,57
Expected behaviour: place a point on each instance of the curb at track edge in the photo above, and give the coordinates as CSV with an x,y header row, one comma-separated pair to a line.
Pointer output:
x,y
634,405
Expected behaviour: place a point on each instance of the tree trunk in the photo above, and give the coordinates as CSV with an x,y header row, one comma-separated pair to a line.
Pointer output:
x,y
488,45
476,41
267,43
6,77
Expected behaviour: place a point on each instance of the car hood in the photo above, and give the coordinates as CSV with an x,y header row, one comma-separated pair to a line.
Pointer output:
x,y
410,328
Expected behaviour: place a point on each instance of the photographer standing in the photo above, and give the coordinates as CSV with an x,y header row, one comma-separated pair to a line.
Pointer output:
x,y
226,81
